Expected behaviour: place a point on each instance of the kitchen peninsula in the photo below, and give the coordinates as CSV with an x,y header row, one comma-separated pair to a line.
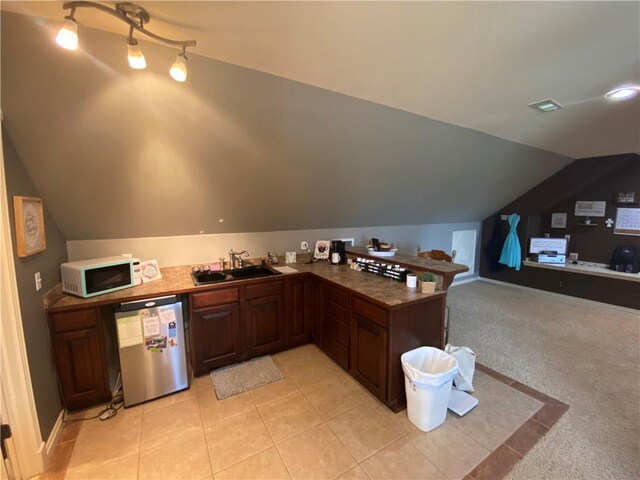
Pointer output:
x,y
363,322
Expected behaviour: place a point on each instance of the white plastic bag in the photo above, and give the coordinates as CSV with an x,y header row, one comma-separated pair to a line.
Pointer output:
x,y
466,366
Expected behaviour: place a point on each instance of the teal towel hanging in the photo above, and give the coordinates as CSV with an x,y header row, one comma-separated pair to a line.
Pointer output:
x,y
511,256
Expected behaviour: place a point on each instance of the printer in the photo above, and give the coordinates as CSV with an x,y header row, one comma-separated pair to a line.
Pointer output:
x,y
549,250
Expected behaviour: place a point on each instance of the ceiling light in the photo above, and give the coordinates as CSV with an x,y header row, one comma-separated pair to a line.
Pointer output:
x,y
178,70
134,55
68,35
135,17
545,106
623,93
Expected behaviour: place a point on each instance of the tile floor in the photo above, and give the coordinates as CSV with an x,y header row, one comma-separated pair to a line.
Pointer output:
x,y
315,423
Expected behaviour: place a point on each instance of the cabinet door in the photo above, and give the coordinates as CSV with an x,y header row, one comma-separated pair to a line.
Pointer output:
x,y
336,331
298,297
264,318
215,337
81,368
368,351
317,315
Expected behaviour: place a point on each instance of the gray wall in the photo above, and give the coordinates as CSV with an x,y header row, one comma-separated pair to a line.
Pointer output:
x,y
34,320
119,153
190,249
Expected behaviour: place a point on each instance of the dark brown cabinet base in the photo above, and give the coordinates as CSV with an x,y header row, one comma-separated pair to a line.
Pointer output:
x,y
78,348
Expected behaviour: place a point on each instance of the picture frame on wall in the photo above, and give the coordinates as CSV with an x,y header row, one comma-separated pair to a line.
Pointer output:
x,y
29,223
558,220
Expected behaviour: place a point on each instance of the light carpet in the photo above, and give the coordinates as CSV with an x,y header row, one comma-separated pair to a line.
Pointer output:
x,y
583,354
244,376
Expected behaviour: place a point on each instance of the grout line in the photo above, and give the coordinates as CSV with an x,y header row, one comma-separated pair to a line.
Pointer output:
x,y
204,432
275,446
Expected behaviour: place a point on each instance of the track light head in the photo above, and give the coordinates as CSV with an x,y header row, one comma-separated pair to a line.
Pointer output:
x,y
134,55
68,35
178,70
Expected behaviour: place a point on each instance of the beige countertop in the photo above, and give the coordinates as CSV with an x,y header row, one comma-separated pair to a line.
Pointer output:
x,y
177,280
586,268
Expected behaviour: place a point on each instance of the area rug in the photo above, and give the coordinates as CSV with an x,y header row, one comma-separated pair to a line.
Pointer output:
x,y
245,376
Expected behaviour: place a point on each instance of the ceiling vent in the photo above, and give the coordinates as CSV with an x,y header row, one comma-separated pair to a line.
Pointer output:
x,y
545,106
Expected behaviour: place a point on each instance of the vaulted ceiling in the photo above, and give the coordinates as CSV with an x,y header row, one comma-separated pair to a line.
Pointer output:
x,y
312,114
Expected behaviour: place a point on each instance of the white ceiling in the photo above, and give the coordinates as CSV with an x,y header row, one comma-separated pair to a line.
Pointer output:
x,y
472,64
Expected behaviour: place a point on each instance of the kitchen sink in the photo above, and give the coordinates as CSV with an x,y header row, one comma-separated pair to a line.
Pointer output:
x,y
252,271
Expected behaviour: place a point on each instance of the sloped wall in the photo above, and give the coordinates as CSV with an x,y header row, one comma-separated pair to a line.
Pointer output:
x,y
120,153
34,320
597,179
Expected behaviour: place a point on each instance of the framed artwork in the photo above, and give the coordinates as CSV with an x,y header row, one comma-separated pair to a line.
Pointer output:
x,y
322,250
590,209
29,220
558,220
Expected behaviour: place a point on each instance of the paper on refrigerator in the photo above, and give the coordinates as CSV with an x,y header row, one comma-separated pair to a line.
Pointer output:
x,y
129,331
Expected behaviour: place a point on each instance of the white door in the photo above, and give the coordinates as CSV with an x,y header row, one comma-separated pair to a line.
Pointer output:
x,y
464,243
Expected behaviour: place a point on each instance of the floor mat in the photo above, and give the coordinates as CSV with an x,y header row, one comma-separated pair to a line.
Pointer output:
x,y
245,376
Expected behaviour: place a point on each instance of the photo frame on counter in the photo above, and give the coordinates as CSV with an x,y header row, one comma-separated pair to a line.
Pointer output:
x,y
29,223
558,220
321,251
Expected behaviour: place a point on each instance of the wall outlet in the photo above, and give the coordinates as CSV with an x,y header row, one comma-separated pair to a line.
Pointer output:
x,y
573,256
38,281
304,246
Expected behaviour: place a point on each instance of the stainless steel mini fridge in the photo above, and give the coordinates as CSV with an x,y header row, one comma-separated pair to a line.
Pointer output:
x,y
152,348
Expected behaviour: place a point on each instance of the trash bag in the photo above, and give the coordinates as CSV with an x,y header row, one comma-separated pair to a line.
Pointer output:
x,y
466,366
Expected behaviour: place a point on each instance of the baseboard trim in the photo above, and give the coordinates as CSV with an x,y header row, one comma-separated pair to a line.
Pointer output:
x,y
462,281
560,295
52,441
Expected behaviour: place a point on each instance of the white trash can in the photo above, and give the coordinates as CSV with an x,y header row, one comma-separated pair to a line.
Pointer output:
x,y
428,374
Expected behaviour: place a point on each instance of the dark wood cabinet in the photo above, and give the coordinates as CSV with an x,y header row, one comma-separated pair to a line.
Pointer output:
x,y
298,303
265,325
317,314
368,353
80,359
216,337
336,325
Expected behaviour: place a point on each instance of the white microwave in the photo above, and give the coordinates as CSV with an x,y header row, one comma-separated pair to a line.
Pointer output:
x,y
88,278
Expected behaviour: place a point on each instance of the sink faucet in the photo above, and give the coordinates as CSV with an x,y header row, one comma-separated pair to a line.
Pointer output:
x,y
235,258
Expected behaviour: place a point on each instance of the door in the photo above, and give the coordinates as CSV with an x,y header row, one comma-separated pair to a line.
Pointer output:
x,y
265,325
368,349
298,306
215,337
81,369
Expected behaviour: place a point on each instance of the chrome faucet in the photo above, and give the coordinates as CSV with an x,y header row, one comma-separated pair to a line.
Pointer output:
x,y
235,258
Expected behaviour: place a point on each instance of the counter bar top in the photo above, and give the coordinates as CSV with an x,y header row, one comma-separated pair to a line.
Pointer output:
x,y
177,280
447,270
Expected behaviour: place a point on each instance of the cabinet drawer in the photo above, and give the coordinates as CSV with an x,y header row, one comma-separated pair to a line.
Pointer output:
x,y
335,310
64,322
370,311
338,296
214,297
337,352
338,330
264,289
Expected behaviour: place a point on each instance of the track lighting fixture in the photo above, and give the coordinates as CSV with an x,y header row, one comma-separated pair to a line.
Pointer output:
x,y
178,70
68,35
135,17
134,54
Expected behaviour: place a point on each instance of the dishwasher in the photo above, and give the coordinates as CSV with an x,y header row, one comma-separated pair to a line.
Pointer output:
x,y
152,348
